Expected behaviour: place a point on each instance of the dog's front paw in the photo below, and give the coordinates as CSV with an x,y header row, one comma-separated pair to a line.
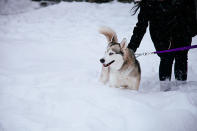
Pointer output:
x,y
113,86
104,77
103,80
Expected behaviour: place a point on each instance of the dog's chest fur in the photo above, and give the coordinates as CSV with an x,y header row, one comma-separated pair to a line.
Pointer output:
x,y
119,78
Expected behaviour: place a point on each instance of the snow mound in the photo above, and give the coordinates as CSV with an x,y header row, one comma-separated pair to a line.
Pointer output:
x,y
49,73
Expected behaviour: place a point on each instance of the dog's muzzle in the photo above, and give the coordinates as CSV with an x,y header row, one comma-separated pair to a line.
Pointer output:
x,y
106,65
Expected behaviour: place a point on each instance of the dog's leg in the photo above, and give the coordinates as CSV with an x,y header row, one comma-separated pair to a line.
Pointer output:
x,y
137,84
134,83
104,77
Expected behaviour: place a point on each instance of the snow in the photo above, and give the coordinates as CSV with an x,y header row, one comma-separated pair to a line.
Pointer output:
x,y
50,67
16,6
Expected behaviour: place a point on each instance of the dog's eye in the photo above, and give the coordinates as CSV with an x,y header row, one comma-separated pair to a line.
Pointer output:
x,y
111,53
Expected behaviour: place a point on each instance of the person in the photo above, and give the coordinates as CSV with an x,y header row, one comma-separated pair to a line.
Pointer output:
x,y
168,29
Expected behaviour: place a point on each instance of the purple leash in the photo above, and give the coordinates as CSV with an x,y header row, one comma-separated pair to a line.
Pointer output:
x,y
167,51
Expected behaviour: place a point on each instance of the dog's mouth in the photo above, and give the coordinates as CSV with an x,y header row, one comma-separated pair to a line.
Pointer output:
x,y
106,65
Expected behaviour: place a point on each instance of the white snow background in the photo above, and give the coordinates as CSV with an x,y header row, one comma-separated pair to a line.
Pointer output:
x,y
49,70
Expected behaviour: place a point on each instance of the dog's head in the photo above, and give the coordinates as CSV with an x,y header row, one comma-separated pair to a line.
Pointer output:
x,y
117,53
114,55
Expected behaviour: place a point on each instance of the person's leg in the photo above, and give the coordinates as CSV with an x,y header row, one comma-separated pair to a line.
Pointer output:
x,y
165,67
165,71
180,68
166,62
181,58
166,59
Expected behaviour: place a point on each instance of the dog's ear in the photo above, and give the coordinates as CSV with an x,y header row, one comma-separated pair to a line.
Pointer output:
x,y
123,43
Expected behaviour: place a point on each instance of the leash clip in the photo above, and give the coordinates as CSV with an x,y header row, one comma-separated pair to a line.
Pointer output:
x,y
143,54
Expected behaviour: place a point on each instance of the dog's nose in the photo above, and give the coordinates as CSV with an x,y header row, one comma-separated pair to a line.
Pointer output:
x,y
102,60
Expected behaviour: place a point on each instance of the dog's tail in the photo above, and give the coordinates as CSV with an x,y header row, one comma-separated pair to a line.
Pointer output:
x,y
109,34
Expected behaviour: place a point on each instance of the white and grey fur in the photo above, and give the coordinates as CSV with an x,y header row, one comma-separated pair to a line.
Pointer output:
x,y
120,67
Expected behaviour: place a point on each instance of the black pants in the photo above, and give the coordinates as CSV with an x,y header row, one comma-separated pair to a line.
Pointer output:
x,y
180,67
178,58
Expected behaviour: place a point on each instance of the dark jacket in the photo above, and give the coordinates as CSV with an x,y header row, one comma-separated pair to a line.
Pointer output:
x,y
165,18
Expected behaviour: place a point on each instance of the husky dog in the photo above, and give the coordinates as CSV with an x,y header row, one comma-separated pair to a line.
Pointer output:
x,y
120,67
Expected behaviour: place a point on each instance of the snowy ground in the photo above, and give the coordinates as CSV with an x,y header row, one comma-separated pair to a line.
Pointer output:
x,y
13,7
49,73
